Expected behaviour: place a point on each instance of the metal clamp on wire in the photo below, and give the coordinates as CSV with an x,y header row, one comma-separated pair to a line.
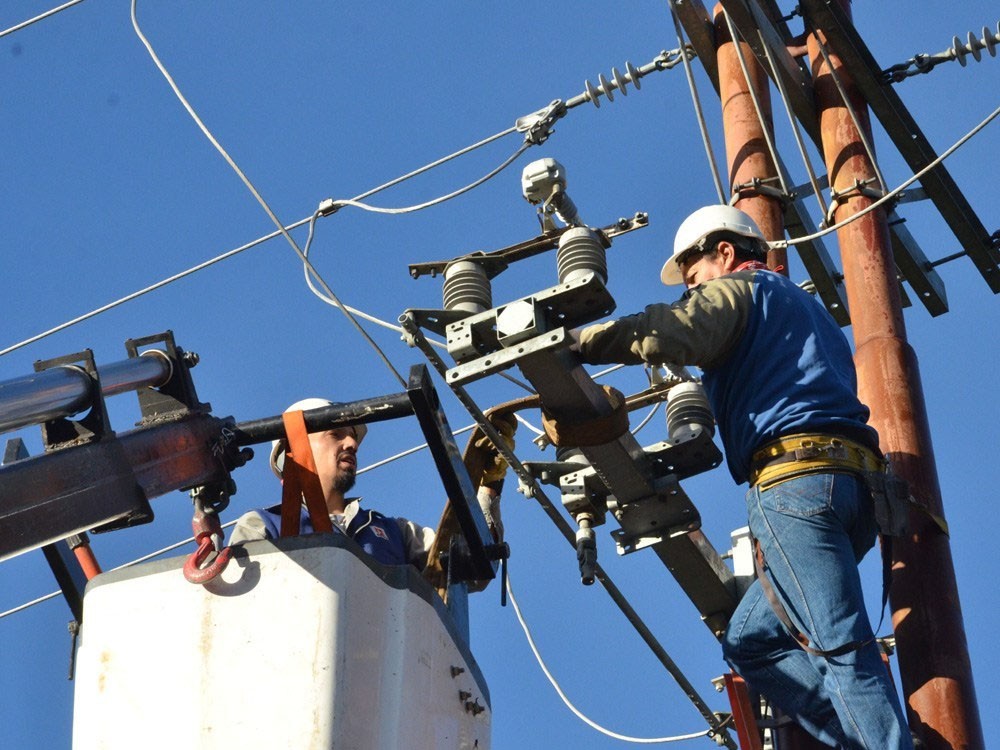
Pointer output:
x,y
537,127
208,535
756,187
862,189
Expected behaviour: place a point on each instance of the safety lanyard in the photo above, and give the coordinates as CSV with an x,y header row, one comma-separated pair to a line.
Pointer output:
x,y
300,480
760,565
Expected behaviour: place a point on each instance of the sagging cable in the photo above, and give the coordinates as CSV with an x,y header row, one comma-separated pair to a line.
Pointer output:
x,y
256,194
893,193
714,167
757,106
39,17
803,154
576,712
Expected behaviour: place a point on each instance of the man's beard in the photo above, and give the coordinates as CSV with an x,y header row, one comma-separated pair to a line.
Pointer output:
x,y
343,482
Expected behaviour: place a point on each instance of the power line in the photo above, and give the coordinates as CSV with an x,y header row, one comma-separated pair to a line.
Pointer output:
x,y
576,712
39,17
892,193
260,240
696,102
256,194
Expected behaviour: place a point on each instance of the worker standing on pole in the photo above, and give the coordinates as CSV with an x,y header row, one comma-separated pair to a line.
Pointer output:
x,y
780,377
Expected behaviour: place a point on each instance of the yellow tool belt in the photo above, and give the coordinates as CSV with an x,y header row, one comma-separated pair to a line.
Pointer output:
x,y
797,455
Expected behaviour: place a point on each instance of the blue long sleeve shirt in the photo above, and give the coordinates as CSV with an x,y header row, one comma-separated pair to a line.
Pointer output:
x,y
774,362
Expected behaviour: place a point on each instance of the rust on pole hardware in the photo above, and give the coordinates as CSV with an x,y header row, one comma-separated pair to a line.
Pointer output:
x,y
934,663
750,166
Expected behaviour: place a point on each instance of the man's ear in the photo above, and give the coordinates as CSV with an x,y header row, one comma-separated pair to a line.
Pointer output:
x,y
727,251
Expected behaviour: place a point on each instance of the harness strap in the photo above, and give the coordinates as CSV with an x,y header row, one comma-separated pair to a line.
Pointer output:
x,y
299,480
782,614
797,455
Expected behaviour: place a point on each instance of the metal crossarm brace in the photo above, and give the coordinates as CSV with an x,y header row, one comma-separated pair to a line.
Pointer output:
x,y
754,21
569,393
906,135
454,475
817,261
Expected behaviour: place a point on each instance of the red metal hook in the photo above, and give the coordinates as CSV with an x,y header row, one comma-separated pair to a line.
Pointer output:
x,y
193,571
208,535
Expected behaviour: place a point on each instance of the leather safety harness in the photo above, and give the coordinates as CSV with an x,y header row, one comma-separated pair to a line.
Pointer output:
x,y
799,455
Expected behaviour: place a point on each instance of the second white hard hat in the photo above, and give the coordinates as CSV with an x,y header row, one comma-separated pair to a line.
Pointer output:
x,y
700,225
278,446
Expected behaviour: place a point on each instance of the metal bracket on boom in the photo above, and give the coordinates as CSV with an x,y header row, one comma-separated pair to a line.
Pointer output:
x,y
91,478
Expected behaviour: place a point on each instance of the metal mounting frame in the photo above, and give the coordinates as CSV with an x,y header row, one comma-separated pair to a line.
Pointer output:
x,y
906,135
758,20
63,431
175,397
568,392
652,520
478,563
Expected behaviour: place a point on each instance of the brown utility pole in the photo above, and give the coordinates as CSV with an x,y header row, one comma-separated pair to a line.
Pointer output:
x,y
747,155
933,655
751,167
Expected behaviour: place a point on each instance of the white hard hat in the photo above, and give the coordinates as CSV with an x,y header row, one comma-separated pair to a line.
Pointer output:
x,y
278,446
698,226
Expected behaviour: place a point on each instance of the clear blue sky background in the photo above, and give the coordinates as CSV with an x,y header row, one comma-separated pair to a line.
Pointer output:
x,y
108,186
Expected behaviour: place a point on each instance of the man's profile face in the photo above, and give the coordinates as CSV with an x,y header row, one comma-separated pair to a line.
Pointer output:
x,y
707,266
335,453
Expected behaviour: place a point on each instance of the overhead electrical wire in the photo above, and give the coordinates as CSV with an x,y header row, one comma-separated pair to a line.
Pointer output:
x,y
892,193
333,205
803,153
39,17
714,168
236,251
129,564
757,107
283,230
536,126
851,111
569,704
256,194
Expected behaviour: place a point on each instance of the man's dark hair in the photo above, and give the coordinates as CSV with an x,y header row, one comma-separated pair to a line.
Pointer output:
x,y
747,248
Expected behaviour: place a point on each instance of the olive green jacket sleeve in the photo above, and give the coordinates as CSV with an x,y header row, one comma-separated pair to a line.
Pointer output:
x,y
699,329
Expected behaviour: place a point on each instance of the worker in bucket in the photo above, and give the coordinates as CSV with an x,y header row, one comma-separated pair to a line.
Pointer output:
x,y
780,377
391,541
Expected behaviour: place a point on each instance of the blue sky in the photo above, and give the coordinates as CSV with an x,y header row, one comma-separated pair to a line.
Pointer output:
x,y
109,187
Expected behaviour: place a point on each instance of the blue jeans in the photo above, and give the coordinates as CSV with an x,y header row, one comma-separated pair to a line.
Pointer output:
x,y
814,530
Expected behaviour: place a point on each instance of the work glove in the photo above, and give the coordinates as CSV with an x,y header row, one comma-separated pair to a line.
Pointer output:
x,y
496,464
